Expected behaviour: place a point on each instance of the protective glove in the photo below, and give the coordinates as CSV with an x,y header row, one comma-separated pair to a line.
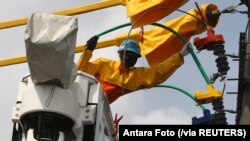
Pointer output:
x,y
91,43
184,50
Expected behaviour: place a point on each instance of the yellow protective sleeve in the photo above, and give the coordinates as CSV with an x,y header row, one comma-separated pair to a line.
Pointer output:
x,y
143,12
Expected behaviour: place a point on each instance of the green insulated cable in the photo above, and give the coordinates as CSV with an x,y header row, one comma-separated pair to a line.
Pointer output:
x,y
196,60
189,49
181,90
113,29
203,73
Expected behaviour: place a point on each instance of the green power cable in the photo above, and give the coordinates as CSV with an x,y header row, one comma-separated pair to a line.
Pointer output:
x,y
196,60
183,91
203,73
114,28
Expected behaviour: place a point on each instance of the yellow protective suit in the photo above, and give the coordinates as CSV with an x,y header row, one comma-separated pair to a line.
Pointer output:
x,y
162,43
109,71
161,49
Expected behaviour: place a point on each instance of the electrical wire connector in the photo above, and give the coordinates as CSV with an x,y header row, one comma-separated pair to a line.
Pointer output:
x,y
207,97
230,9
205,120
207,42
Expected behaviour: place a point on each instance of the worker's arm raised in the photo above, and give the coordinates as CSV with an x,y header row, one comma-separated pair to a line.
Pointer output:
x,y
91,43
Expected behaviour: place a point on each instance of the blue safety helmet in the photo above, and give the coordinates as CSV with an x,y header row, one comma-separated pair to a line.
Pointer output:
x,y
131,45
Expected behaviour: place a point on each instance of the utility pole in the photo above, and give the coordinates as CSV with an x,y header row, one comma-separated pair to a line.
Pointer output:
x,y
243,99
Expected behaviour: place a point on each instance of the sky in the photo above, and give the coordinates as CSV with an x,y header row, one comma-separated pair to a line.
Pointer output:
x,y
149,106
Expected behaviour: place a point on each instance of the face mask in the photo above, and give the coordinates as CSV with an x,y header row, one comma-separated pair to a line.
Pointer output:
x,y
130,62
130,59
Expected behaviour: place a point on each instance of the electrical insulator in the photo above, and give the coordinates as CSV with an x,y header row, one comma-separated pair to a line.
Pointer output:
x,y
216,44
221,60
219,118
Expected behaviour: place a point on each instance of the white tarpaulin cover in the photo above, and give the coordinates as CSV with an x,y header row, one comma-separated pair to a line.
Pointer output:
x,y
50,41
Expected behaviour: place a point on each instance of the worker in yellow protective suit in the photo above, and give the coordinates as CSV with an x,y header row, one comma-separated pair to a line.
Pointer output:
x,y
115,75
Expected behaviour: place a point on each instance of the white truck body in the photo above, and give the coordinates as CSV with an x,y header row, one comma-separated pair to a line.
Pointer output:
x,y
51,113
